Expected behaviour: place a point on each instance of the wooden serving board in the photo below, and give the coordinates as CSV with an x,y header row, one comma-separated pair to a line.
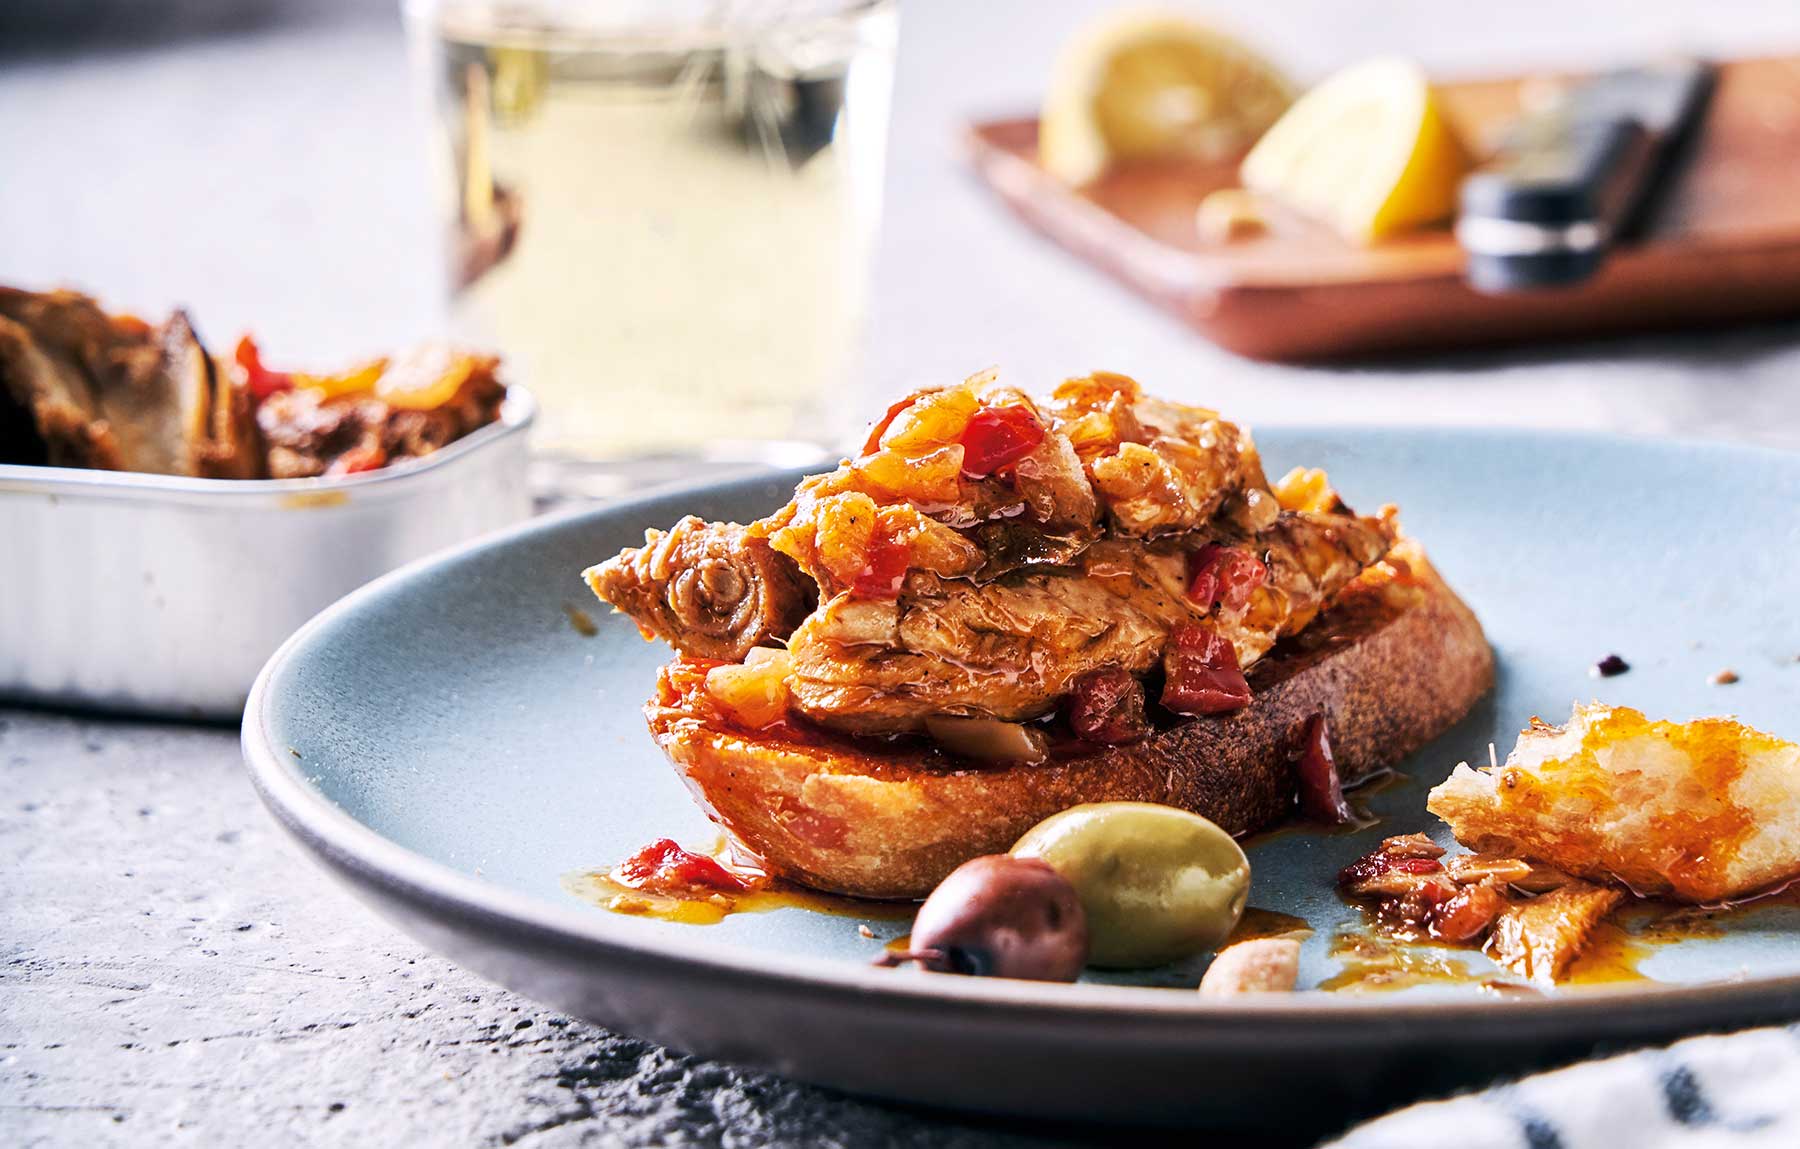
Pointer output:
x,y
1723,244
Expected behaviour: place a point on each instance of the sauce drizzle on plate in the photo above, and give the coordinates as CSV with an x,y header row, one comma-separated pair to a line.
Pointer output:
x,y
595,887
738,889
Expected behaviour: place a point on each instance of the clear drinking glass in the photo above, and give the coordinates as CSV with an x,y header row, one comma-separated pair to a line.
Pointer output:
x,y
663,213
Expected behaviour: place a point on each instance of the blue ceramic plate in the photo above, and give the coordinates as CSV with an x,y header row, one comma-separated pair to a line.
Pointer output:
x,y
448,742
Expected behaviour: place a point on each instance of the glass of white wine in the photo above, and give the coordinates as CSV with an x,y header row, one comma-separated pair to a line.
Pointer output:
x,y
663,213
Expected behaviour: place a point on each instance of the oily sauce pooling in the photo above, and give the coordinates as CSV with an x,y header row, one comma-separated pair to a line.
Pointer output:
x,y
667,883
1375,957
594,886
1383,955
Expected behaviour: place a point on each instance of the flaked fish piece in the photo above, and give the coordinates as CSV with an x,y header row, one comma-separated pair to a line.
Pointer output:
x,y
1515,872
1011,649
106,392
710,590
1481,899
1003,483
985,552
1538,937
975,483
890,820
57,419
1701,811
966,481
232,447
1158,467
82,388
172,419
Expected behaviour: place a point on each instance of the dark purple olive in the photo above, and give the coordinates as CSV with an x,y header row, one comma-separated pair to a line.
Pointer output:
x,y
1001,916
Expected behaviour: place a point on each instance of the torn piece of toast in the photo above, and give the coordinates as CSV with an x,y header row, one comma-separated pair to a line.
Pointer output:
x,y
1394,662
1702,811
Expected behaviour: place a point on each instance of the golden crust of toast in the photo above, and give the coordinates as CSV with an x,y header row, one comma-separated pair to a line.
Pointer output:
x,y
1397,660
1699,811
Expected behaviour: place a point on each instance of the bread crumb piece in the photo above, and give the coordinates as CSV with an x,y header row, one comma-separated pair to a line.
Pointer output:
x,y
1724,677
865,931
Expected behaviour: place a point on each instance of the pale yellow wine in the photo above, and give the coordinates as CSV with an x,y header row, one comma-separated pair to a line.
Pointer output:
x,y
667,232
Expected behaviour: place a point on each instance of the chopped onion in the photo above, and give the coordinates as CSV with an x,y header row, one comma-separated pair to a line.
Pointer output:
x,y
755,693
988,739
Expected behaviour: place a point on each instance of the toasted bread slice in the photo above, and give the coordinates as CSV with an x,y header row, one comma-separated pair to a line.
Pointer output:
x,y
1395,661
1699,811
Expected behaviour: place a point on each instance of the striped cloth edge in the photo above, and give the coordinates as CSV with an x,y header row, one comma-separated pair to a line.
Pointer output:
x,y
1739,1091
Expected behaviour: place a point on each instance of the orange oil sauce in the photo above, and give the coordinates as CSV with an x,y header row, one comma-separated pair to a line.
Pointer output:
x,y
596,887
1376,958
1260,923
1377,964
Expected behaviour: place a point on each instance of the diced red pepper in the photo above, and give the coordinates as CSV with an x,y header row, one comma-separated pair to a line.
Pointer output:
x,y
1419,906
1241,574
1201,674
1466,914
1380,862
260,381
1107,706
1224,576
1365,867
1417,865
998,437
885,571
1321,790
360,458
663,867
1203,576
880,428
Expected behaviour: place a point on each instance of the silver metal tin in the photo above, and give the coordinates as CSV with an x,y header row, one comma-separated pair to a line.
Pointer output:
x,y
159,594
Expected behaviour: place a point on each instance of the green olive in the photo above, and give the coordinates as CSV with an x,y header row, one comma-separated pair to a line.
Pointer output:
x,y
1157,883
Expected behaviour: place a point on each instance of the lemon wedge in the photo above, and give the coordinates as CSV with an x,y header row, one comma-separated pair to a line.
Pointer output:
x,y
1368,151
1143,85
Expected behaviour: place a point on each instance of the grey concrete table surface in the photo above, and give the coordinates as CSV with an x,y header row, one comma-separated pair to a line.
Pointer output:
x,y
172,970
169,968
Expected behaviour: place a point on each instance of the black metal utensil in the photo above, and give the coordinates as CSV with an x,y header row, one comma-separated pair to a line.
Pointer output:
x,y
1577,175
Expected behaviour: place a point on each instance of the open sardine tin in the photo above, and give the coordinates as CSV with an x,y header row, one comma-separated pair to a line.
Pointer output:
x,y
164,595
